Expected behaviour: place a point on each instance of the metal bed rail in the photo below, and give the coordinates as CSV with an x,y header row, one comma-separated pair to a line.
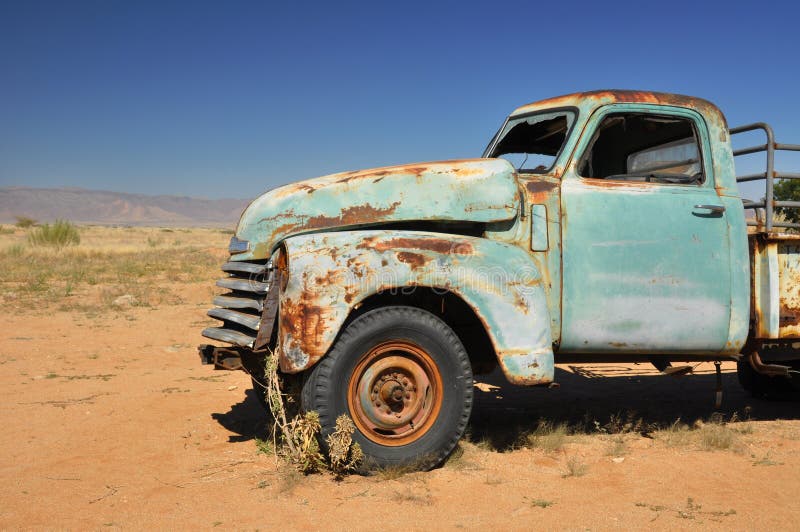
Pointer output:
x,y
768,202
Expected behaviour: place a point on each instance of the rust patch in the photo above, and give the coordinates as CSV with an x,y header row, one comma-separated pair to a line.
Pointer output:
x,y
350,294
537,187
628,96
306,323
417,170
415,260
357,214
438,245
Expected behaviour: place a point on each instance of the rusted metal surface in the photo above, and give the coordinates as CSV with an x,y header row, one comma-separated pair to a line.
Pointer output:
x,y
221,357
776,285
774,370
477,190
595,267
241,310
395,393
330,274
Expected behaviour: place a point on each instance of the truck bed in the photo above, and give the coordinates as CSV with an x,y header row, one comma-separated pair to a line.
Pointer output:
x,y
775,286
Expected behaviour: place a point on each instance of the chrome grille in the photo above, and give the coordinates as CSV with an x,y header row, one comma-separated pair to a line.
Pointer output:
x,y
240,309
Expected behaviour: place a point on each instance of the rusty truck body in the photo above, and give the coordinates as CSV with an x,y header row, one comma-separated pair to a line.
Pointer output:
x,y
600,226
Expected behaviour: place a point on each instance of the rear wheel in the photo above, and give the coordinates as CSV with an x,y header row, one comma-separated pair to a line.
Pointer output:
x,y
765,386
404,378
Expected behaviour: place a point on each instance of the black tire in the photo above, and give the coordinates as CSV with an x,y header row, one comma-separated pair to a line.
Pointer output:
x,y
764,386
421,362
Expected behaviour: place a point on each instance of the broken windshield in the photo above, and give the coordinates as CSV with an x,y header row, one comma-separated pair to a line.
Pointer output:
x,y
532,142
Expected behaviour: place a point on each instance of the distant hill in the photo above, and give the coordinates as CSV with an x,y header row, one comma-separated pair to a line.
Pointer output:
x,y
116,208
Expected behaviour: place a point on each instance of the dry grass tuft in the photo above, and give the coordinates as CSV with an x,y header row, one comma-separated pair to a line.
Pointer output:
x,y
617,446
418,499
59,235
574,468
547,436
290,479
715,434
716,437
675,435
540,503
264,446
397,471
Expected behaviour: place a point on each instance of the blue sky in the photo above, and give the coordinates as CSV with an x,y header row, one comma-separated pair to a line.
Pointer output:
x,y
227,99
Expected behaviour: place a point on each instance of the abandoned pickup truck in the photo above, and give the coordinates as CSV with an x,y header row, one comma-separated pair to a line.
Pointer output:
x,y
603,226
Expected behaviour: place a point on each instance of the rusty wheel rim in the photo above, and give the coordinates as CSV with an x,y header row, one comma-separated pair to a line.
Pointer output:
x,y
395,393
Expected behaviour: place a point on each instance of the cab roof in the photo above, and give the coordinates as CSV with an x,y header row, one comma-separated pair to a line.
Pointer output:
x,y
593,99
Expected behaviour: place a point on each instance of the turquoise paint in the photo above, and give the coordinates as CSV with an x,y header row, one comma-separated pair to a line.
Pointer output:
x,y
478,190
766,287
337,271
488,191
644,271
538,227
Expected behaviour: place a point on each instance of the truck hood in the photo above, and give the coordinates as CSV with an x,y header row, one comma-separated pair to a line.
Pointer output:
x,y
472,190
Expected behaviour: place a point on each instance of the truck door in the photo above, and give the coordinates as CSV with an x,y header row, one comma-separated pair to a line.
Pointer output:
x,y
646,263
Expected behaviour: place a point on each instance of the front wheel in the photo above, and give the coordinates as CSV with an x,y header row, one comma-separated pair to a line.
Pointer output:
x,y
404,378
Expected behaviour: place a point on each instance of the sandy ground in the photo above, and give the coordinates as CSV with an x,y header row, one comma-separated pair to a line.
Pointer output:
x,y
111,421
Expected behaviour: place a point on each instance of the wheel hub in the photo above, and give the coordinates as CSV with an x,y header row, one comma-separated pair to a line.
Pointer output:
x,y
395,393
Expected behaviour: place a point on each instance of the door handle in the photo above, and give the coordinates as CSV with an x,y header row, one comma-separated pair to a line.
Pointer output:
x,y
712,208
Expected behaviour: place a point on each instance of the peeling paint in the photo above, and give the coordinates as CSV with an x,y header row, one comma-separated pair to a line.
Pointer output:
x,y
499,282
473,190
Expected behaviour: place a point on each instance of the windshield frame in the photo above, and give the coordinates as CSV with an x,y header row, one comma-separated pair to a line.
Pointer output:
x,y
554,110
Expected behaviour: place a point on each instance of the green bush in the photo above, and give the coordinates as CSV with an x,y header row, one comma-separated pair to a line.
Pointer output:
x,y
59,235
25,222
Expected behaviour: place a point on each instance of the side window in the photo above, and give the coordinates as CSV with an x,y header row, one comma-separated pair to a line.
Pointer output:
x,y
646,148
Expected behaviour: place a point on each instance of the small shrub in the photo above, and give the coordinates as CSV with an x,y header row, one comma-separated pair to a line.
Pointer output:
x,y
263,446
716,436
676,435
548,436
575,468
59,235
766,460
24,222
617,446
344,454
541,503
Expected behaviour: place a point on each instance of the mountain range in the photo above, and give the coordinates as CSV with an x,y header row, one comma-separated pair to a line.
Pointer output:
x,y
116,208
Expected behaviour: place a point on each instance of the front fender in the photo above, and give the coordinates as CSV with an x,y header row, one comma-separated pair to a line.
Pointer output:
x,y
329,274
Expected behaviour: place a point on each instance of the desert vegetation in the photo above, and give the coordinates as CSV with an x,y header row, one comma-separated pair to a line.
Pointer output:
x,y
91,268
110,412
